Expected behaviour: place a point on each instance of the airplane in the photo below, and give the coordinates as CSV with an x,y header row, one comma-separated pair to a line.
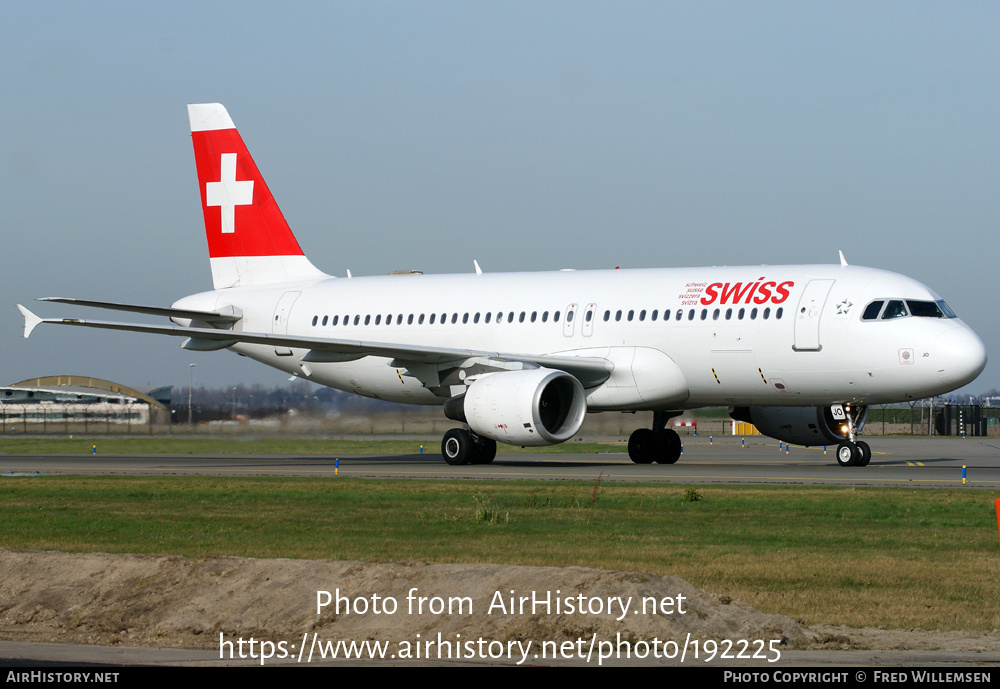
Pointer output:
x,y
520,358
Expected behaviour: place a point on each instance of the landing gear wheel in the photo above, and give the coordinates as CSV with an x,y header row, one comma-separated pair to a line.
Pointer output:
x,y
848,454
457,446
866,454
668,446
486,451
642,446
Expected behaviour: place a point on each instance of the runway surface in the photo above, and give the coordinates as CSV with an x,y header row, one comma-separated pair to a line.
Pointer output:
x,y
917,462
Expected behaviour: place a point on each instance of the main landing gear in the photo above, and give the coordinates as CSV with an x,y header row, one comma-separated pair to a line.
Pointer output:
x,y
657,444
460,446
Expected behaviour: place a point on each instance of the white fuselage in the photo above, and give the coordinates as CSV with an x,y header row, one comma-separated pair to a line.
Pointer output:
x,y
678,338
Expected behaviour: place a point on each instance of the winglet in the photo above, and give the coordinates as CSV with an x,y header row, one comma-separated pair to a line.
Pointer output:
x,y
843,261
30,320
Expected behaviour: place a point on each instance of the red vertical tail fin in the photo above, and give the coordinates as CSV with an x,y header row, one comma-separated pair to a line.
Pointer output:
x,y
249,241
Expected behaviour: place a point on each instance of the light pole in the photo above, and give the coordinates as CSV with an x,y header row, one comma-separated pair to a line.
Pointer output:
x,y
190,388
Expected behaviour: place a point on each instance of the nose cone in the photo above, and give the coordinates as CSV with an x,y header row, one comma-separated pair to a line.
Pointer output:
x,y
960,356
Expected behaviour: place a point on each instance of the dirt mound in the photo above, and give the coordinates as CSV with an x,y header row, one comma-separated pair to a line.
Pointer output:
x,y
187,603
181,602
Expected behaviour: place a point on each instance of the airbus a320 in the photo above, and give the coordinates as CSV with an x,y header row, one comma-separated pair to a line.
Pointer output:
x,y
520,358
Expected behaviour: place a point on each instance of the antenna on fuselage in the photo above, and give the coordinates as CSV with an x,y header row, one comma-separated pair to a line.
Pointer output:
x,y
479,271
843,261
348,273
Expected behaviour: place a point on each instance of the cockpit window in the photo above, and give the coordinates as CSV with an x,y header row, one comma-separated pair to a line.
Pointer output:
x,y
899,308
894,309
871,311
930,309
924,309
945,309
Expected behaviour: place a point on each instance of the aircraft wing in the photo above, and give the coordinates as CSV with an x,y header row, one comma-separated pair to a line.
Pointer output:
x,y
590,371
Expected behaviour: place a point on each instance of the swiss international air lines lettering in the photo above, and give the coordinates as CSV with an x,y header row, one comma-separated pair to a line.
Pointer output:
x,y
689,297
758,292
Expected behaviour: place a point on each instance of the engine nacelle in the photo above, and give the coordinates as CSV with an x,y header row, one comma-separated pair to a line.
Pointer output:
x,y
531,407
801,425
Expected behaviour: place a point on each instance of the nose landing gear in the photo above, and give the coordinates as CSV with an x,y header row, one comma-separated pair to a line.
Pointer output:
x,y
852,452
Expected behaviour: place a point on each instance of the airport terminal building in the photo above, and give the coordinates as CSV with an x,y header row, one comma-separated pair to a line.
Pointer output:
x,y
82,404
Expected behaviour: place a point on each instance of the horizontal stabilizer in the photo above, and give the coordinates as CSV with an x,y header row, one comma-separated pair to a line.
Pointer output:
x,y
30,320
227,315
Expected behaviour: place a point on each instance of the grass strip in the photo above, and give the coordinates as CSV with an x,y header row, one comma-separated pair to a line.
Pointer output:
x,y
896,558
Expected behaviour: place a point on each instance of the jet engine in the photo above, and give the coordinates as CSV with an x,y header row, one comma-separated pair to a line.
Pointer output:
x,y
801,425
531,407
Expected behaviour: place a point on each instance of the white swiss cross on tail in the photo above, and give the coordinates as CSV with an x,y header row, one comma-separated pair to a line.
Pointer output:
x,y
262,250
228,193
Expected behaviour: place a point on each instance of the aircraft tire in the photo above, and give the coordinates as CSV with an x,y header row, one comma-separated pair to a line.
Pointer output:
x,y
866,454
847,454
668,446
486,451
642,445
458,447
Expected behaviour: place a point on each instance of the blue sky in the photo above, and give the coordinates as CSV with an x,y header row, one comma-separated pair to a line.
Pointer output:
x,y
530,136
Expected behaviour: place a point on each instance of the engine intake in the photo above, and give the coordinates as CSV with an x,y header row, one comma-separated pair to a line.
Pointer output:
x,y
532,407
